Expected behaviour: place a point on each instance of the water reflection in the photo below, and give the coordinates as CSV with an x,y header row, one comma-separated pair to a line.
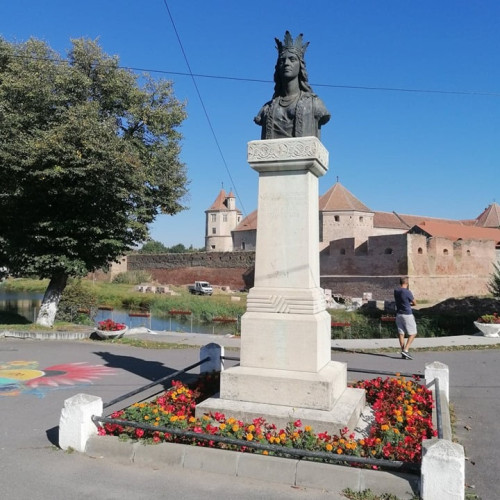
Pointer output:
x,y
27,304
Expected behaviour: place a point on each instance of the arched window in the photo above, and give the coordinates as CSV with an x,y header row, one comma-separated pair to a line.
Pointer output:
x,y
468,253
445,251
420,250
336,218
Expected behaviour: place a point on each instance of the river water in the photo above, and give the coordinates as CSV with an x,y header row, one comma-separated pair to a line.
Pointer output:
x,y
27,304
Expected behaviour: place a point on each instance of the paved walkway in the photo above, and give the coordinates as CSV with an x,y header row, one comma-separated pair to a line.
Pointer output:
x,y
29,423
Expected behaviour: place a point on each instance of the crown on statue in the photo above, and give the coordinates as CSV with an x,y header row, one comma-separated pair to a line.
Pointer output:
x,y
292,45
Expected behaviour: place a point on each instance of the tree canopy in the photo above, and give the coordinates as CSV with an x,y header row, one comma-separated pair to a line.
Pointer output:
x,y
89,155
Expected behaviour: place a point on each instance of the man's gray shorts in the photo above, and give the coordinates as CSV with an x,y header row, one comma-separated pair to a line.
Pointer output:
x,y
406,324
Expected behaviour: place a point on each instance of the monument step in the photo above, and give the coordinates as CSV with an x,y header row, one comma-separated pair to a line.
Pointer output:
x,y
346,412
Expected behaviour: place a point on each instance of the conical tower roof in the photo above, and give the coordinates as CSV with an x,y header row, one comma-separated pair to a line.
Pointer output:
x,y
219,203
490,217
338,199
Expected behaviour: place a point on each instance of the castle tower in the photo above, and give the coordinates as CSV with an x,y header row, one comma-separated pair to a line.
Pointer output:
x,y
220,219
342,215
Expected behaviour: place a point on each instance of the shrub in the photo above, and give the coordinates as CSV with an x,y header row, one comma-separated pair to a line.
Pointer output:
x,y
132,277
494,283
78,303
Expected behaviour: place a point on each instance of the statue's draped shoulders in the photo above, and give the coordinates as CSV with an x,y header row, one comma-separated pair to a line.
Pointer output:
x,y
309,115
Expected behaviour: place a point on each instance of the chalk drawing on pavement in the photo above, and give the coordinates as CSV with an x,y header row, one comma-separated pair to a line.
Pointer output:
x,y
25,377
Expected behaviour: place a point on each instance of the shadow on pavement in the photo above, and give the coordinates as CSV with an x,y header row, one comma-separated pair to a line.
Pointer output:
x,y
150,370
53,435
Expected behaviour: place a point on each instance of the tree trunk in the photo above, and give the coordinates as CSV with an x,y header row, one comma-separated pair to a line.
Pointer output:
x,y
51,298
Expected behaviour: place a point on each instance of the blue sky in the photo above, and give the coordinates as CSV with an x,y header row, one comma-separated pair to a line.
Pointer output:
x,y
431,148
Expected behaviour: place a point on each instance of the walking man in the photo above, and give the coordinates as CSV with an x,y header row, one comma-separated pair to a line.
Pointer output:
x,y
405,321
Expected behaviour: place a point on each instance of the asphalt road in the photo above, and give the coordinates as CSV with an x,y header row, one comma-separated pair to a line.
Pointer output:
x,y
32,467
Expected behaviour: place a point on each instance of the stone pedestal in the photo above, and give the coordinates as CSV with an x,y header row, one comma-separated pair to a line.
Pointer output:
x,y
285,368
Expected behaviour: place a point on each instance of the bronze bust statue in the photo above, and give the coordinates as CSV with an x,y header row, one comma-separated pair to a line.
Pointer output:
x,y
294,110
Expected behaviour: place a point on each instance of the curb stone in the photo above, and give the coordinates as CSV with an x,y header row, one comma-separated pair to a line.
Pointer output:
x,y
295,472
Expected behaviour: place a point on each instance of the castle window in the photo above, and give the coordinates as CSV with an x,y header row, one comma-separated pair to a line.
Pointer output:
x,y
468,253
361,219
243,245
420,250
388,251
239,218
212,247
224,217
445,251
342,251
213,217
214,231
337,218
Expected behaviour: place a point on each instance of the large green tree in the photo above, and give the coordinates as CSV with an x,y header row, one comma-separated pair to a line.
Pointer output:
x,y
89,156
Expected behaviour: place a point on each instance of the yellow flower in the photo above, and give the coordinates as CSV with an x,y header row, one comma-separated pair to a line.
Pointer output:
x,y
329,447
339,451
251,428
192,420
384,427
265,452
221,426
146,417
308,428
236,428
173,418
249,436
231,420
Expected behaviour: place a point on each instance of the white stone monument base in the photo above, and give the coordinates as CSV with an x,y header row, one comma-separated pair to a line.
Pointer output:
x,y
313,390
345,412
295,342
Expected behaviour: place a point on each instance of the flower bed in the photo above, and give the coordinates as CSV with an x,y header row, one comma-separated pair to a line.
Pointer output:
x,y
402,408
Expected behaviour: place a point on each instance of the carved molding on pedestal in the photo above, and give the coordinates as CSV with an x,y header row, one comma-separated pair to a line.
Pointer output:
x,y
305,302
277,154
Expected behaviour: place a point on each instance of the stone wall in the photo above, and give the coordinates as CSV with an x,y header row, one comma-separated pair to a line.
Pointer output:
x,y
233,269
438,268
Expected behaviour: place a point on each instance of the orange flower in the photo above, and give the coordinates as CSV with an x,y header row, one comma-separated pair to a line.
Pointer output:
x,y
329,447
249,436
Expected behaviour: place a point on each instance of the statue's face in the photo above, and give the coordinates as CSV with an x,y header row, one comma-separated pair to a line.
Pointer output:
x,y
288,64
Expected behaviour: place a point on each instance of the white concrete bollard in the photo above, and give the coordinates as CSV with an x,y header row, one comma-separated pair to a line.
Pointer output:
x,y
443,470
442,373
215,352
75,424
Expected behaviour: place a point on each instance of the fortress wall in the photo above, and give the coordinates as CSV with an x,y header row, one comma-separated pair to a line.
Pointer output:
x,y
234,269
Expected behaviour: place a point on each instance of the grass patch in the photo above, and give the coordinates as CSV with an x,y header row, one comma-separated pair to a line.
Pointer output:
x,y
369,495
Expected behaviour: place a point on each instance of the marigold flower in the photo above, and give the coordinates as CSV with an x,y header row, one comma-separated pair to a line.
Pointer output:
x,y
249,436
308,428
235,428
328,447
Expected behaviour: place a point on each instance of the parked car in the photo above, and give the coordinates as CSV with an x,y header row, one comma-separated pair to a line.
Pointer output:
x,y
201,288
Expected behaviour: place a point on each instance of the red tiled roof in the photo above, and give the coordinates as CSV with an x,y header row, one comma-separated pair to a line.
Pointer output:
x,y
457,231
338,198
393,220
218,204
490,217
248,223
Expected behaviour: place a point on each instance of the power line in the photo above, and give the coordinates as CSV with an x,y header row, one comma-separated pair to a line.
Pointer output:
x,y
204,108
258,80
326,85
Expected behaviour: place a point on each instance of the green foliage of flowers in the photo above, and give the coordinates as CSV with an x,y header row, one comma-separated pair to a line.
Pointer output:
x,y
403,418
489,318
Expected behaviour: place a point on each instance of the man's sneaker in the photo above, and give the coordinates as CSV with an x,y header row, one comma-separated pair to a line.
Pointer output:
x,y
406,355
